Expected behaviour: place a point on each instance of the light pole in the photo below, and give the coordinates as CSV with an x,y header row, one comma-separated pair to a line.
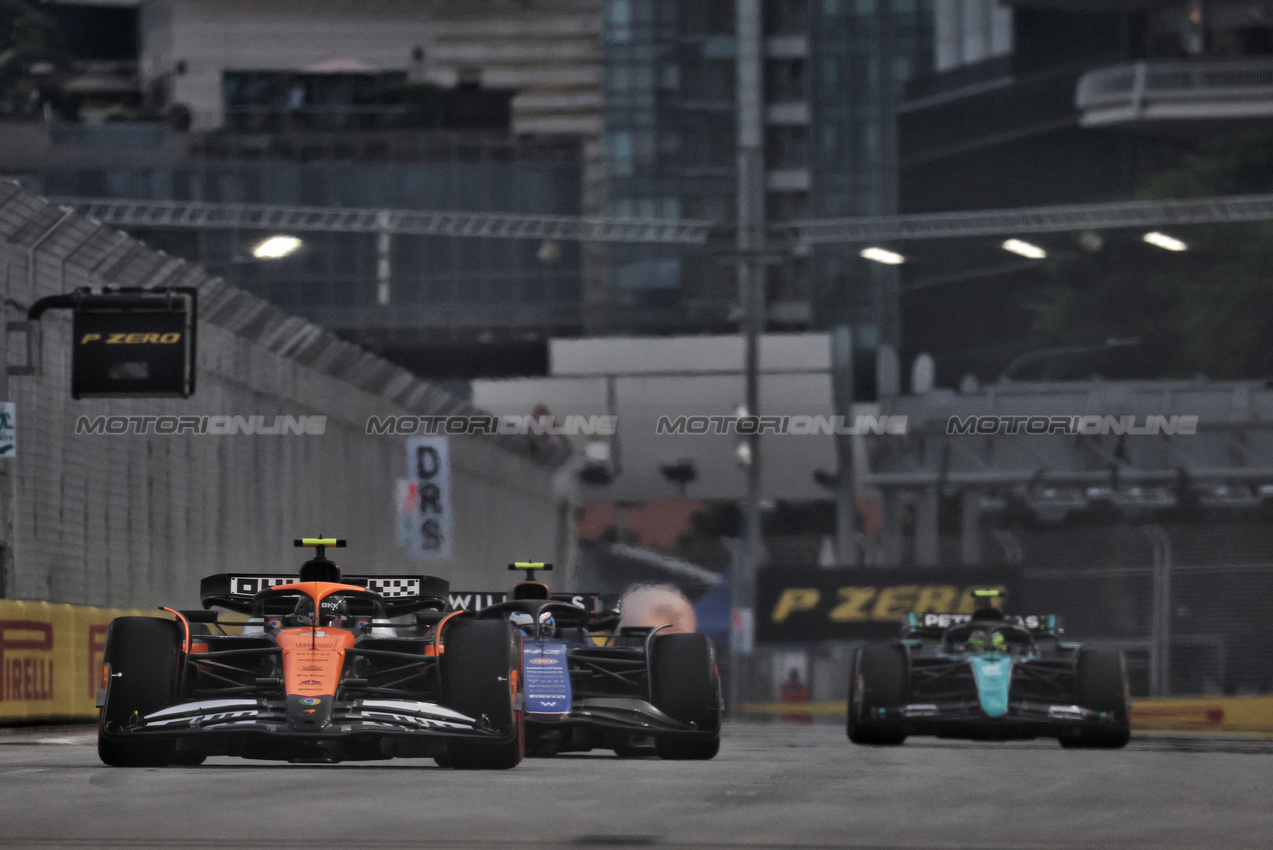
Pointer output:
x,y
751,293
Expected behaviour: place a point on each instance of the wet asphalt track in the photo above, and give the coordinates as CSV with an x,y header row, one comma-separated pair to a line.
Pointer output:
x,y
773,786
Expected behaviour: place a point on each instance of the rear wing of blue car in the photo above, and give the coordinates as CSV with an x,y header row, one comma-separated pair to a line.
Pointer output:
x,y
475,601
401,594
916,624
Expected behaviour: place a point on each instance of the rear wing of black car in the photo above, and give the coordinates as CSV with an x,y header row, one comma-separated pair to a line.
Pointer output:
x,y
916,624
595,612
475,601
400,594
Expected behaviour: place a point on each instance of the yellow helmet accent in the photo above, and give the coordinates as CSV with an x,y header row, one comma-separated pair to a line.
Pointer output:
x,y
320,541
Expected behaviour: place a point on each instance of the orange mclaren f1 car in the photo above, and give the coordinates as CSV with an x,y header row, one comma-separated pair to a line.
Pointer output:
x,y
327,668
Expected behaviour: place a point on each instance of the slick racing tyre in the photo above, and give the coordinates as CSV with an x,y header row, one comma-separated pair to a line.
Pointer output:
x,y
686,687
1101,680
878,679
141,656
481,676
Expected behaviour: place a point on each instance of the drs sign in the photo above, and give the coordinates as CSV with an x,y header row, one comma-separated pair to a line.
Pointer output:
x,y
424,498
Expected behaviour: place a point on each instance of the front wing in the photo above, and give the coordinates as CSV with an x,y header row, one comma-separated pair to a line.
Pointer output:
x,y
615,714
964,718
260,728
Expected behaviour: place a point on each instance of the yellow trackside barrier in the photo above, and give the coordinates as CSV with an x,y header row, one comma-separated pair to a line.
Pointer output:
x,y
51,659
1248,715
1204,714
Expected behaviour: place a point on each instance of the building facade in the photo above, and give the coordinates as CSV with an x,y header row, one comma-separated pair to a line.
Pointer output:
x,y
831,73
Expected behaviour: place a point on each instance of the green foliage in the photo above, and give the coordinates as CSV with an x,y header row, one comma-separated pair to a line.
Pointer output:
x,y
1208,310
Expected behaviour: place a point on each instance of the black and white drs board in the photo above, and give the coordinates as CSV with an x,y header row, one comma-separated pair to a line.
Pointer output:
x,y
424,498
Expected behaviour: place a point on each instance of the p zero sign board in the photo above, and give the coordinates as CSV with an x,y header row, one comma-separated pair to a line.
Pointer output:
x,y
142,348
796,606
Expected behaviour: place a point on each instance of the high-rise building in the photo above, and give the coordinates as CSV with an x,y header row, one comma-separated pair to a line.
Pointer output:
x,y
647,89
832,73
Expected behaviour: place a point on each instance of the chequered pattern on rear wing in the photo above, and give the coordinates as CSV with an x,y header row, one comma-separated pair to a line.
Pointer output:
x,y
252,585
395,588
390,587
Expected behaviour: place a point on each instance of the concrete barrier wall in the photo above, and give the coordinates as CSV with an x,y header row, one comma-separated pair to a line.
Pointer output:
x,y
137,520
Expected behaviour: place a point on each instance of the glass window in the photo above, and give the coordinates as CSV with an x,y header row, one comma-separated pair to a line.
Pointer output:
x,y
620,78
670,77
621,154
831,140
831,72
619,20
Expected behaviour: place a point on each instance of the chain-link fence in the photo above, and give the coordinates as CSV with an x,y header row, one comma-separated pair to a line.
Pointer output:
x,y
136,519
1188,604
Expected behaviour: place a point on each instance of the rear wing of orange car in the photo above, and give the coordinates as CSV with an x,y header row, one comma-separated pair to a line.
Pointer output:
x,y
401,594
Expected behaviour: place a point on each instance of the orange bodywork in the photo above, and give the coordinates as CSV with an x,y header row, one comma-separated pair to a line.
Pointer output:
x,y
313,659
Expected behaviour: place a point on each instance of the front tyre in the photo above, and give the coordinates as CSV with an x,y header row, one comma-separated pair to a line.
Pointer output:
x,y
1101,682
481,676
878,681
686,687
141,657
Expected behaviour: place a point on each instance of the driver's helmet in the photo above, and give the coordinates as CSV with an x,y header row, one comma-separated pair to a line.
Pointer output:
x,y
981,641
332,612
525,622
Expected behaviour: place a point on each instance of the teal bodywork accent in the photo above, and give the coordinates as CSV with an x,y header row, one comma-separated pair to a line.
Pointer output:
x,y
992,672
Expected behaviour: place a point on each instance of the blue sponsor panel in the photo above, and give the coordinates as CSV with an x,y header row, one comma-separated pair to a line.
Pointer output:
x,y
547,686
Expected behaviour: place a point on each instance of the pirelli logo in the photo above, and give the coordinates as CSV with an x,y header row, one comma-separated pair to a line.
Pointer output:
x,y
139,338
814,604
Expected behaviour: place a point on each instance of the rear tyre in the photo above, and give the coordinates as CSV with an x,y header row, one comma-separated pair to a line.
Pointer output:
x,y
686,687
1101,680
481,675
142,655
878,679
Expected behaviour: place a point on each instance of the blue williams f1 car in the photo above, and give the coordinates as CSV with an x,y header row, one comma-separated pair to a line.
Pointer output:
x,y
987,676
589,684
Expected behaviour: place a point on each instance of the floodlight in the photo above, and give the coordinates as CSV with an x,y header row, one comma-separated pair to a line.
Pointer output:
x,y
276,247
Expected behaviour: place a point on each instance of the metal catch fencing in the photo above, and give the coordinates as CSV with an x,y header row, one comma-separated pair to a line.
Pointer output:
x,y
1188,604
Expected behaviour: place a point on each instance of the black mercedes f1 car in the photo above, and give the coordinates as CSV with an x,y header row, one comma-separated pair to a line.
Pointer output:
x,y
987,676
